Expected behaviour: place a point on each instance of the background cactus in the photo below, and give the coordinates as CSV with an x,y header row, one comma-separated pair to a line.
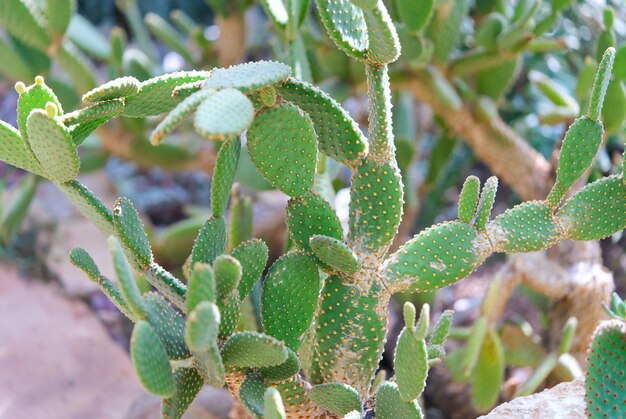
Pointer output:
x,y
324,303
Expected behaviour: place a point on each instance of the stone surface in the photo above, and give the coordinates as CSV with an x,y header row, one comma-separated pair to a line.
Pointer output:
x,y
211,403
56,359
563,401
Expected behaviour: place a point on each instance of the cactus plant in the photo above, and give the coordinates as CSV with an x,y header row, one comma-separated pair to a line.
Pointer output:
x,y
324,303
605,378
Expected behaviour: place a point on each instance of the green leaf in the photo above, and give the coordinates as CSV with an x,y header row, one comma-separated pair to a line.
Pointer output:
x,y
488,375
58,14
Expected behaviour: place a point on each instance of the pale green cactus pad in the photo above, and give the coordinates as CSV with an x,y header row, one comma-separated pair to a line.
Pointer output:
x,y
527,227
224,115
252,349
188,385
334,253
389,404
485,203
252,255
155,95
248,77
290,291
53,146
15,151
375,211
119,88
310,215
445,264
201,286
411,357
131,232
338,134
126,280
25,21
273,407
384,45
345,24
202,327
338,398
150,361
102,110
185,108
228,272
89,205
596,211
168,324
210,243
284,131
469,199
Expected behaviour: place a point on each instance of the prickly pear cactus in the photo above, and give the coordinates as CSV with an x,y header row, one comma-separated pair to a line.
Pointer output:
x,y
605,380
324,303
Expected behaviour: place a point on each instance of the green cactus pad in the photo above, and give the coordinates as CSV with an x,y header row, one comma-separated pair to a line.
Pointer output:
x,y
389,404
35,96
210,243
202,327
601,83
338,134
81,259
188,385
58,15
440,331
384,45
273,405
579,149
81,131
166,283
102,110
248,77
338,398
155,94
168,324
605,381
228,273
150,361
337,339
596,211
230,311
410,364
528,227
488,375
14,151
187,89
334,253
210,367
415,14
224,175
284,371
310,215
375,205
77,66
251,394
224,115
252,255
53,147
25,21
485,203
89,205
345,25
284,131
438,256
185,108
290,293
468,199
276,11
131,232
201,286
126,280
253,350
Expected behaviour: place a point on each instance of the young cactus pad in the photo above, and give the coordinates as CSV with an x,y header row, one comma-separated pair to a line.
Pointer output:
x,y
324,303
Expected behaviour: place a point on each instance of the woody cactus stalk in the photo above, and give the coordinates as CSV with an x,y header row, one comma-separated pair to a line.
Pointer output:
x,y
324,303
